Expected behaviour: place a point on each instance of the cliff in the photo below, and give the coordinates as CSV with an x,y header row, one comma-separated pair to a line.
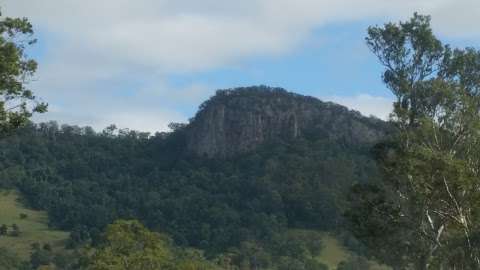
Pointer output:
x,y
238,120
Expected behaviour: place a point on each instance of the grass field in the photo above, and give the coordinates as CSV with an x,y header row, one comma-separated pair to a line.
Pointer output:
x,y
33,228
333,253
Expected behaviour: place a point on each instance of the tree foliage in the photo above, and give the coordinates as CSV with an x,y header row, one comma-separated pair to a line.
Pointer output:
x,y
128,245
17,102
86,180
429,202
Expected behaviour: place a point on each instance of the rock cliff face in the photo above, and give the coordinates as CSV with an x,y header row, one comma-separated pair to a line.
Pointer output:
x,y
238,120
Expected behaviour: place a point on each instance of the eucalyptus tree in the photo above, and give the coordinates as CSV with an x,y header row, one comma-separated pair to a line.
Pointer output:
x,y
17,101
425,213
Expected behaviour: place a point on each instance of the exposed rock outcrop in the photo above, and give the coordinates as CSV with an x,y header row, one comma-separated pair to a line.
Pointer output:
x,y
238,120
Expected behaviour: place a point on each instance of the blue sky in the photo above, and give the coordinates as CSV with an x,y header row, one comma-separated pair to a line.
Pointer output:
x,y
142,64
334,63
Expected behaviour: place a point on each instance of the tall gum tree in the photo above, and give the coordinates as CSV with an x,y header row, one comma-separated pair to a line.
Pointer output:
x,y
17,102
425,212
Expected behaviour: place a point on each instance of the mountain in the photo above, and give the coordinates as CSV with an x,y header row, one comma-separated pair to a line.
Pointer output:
x,y
253,167
238,120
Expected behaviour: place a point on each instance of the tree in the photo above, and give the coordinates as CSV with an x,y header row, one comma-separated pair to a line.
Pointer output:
x,y
15,230
129,245
3,229
17,102
40,256
428,202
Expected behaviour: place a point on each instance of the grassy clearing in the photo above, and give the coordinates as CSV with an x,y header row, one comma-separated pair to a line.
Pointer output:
x,y
334,252
33,228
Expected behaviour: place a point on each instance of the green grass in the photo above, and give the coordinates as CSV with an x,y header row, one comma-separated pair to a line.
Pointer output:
x,y
33,229
333,252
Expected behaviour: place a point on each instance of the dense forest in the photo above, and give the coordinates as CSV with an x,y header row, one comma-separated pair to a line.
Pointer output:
x,y
86,180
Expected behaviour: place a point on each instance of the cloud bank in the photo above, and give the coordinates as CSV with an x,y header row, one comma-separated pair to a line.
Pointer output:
x,y
368,105
96,45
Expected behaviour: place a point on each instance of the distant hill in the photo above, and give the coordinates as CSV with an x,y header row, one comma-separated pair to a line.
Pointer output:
x,y
239,120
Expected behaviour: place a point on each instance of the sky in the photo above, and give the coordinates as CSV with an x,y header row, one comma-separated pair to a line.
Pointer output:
x,y
145,63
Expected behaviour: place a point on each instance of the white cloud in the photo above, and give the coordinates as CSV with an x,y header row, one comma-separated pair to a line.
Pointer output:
x,y
176,36
192,94
368,105
101,112
98,42
150,121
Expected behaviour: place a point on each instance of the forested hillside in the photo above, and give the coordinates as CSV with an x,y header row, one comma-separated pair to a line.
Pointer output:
x,y
259,178
86,180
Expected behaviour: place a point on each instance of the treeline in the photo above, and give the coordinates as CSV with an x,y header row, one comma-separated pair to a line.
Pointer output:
x,y
128,245
86,180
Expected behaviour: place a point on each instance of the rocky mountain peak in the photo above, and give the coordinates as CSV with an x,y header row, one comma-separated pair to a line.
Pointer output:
x,y
239,120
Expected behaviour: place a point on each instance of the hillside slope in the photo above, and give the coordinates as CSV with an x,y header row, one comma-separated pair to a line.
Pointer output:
x,y
229,185
33,226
